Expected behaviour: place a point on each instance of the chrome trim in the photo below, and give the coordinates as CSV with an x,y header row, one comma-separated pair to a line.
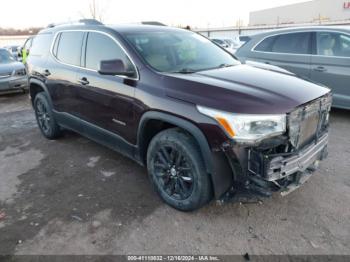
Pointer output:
x,y
118,122
88,69
295,32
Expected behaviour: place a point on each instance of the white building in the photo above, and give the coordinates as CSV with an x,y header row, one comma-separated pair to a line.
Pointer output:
x,y
315,11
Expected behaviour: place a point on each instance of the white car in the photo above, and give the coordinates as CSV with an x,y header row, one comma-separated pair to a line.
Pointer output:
x,y
228,44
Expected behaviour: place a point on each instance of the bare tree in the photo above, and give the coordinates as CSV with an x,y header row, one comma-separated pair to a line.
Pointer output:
x,y
96,10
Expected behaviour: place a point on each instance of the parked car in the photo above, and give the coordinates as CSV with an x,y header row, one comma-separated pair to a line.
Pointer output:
x,y
203,124
242,39
25,49
321,54
13,49
224,43
13,76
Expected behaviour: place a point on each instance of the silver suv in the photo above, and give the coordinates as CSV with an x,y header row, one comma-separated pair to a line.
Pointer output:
x,y
321,54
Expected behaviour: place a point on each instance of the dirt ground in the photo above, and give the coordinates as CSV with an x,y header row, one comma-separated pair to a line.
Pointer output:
x,y
73,196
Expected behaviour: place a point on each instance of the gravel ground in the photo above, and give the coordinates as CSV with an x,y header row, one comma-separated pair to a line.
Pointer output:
x,y
73,196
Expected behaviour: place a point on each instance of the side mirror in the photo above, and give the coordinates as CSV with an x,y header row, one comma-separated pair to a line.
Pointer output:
x,y
114,67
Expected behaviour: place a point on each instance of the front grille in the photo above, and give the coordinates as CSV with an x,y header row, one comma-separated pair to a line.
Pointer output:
x,y
308,122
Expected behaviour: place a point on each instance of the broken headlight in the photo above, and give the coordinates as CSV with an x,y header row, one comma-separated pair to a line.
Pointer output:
x,y
246,127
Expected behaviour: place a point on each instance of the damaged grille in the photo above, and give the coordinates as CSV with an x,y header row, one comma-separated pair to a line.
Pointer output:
x,y
305,143
307,123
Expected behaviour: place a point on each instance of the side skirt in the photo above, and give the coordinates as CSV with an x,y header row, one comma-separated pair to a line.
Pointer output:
x,y
97,134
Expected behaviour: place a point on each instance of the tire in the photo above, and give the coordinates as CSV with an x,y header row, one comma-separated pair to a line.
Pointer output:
x,y
176,170
45,118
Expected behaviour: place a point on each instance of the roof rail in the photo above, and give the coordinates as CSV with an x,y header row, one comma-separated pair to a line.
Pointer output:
x,y
152,23
81,21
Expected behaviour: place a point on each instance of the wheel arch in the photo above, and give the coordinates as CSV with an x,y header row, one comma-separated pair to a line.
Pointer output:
x,y
35,87
216,164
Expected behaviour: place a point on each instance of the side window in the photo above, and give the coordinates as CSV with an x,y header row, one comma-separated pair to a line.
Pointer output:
x,y
55,45
266,45
28,44
41,45
294,43
69,47
333,44
101,47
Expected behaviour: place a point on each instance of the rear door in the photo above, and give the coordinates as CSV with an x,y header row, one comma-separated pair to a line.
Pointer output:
x,y
331,65
107,101
291,51
61,70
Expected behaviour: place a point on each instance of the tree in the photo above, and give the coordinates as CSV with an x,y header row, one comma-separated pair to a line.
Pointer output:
x,y
95,11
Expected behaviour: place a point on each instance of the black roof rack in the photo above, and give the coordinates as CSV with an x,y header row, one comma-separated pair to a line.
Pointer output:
x,y
152,23
81,21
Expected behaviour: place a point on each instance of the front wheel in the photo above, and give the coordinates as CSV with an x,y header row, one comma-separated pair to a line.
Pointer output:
x,y
177,171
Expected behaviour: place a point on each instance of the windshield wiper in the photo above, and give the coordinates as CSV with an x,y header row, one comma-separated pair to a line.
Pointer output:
x,y
225,65
185,71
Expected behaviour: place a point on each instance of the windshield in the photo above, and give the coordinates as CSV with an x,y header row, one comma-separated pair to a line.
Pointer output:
x,y
5,57
179,52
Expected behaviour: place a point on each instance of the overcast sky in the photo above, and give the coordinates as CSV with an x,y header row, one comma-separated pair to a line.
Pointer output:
x,y
197,13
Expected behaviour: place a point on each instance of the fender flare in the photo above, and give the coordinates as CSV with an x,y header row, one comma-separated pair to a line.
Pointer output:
x,y
43,86
216,164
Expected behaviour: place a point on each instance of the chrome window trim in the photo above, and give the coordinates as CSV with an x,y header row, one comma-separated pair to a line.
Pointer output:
x,y
88,69
307,31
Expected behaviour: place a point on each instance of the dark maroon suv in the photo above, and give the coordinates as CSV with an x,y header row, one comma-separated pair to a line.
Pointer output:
x,y
203,124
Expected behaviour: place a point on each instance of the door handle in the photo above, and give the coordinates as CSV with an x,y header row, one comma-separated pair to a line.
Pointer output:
x,y
46,72
320,69
83,81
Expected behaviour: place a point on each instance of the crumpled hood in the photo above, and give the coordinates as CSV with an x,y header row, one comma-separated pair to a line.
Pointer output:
x,y
9,67
243,89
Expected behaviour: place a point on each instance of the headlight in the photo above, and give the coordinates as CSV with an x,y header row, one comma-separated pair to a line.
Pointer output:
x,y
245,127
20,72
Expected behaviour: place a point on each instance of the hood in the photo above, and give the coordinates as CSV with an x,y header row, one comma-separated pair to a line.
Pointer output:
x,y
243,89
9,67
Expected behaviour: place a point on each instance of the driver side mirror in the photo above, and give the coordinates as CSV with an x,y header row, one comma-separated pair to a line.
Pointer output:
x,y
114,67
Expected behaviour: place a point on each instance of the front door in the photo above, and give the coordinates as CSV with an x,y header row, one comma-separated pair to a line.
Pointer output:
x,y
331,65
107,101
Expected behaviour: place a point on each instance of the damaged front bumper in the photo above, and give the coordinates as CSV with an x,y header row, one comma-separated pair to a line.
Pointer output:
x,y
284,163
286,172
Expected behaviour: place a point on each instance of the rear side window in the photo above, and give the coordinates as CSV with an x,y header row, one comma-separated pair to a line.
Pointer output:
x,y
101,47
266,45
295,43
41,45
333,44
69,47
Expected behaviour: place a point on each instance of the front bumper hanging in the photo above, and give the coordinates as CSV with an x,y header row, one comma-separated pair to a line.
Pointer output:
x,y
284,172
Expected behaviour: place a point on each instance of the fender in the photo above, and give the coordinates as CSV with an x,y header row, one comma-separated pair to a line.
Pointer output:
x,y
43,86
216,164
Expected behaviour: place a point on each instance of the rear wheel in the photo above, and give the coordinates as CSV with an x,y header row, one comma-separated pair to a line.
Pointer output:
x,y
177,171
45,118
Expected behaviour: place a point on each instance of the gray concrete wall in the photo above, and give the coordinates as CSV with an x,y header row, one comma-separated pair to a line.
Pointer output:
x,y
307,12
